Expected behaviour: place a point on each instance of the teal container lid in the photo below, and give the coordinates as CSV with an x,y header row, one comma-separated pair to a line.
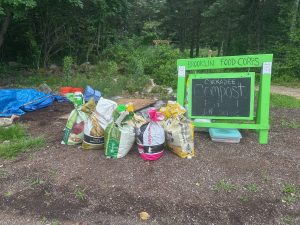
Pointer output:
x,y
224,133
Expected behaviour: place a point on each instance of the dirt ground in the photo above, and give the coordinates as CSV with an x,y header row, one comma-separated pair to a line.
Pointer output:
x,y
172,190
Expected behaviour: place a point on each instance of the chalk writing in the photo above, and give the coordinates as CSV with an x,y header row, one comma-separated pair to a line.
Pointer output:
x,y
221,97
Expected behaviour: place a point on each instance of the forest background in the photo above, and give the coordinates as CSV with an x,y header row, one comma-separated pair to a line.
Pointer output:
x,y
110,43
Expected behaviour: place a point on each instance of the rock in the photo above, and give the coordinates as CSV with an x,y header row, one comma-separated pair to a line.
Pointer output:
x,y
84,67
169,90
53,67
6,142
144,215
149,87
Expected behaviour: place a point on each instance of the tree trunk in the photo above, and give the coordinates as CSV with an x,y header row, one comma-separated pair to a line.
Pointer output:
x,y
294,16
197,48
192,49
4,27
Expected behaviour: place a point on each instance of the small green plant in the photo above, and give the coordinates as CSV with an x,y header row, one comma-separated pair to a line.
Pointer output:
x,y
47,193
44,220
251,188
289,189
80,194
265,176
244,198
3,173
52,173
290,124
8,193
54,222
36,182
290,193
226,186
288,220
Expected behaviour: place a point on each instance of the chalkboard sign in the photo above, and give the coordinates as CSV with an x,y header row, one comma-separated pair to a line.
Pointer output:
x,y
222,95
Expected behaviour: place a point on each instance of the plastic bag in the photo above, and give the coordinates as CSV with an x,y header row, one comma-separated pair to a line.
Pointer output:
x,y
179,130
91,93
105,109
151,137
119,135
74,130
118,140
93,132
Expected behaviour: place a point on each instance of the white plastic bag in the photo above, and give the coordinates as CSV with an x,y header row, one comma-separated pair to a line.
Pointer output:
x,y
104,110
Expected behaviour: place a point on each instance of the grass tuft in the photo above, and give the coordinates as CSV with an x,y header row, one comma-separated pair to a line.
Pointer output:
x,y
13,148
12,132
14,140
290,193
251,188
226,186
80,194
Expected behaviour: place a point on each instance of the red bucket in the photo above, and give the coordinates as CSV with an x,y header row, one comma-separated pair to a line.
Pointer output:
x,y
77,89
65,90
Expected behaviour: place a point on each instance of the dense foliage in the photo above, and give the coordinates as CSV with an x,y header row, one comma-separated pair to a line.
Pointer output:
x,y
38,33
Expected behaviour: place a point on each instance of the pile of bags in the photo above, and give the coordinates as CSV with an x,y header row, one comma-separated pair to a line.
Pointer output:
x,y
116,128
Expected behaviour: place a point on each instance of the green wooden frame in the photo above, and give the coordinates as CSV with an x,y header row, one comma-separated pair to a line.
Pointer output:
x,y
250,75
260,121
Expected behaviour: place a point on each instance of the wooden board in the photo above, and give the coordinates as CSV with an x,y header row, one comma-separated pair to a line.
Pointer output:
x,y
138,103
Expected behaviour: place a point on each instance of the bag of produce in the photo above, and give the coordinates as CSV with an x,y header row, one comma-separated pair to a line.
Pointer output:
x,y
179,130
151,137
119,135
93,132
73,132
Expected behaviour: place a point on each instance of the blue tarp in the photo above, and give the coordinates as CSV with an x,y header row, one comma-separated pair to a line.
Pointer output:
x,y
20,101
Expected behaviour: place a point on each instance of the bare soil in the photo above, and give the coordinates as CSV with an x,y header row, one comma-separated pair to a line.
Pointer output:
x,y
172,190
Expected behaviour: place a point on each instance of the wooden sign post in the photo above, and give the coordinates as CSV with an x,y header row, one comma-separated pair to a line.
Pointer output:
x,y
226,96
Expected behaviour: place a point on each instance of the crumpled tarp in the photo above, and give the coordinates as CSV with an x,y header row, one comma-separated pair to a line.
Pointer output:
x,y
20,101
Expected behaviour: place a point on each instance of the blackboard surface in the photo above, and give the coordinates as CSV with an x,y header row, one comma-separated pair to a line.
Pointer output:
x,y
226,95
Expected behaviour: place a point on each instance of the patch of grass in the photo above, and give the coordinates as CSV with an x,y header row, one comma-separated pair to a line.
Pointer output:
x,y
47,193
290,124
251,188
45,221
52,173
8,194
226,186
290,193
284,101
3,174
244,198
289,189
14,140
36,182
265,176
54,222
14,147
80,194
13,132
288,220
